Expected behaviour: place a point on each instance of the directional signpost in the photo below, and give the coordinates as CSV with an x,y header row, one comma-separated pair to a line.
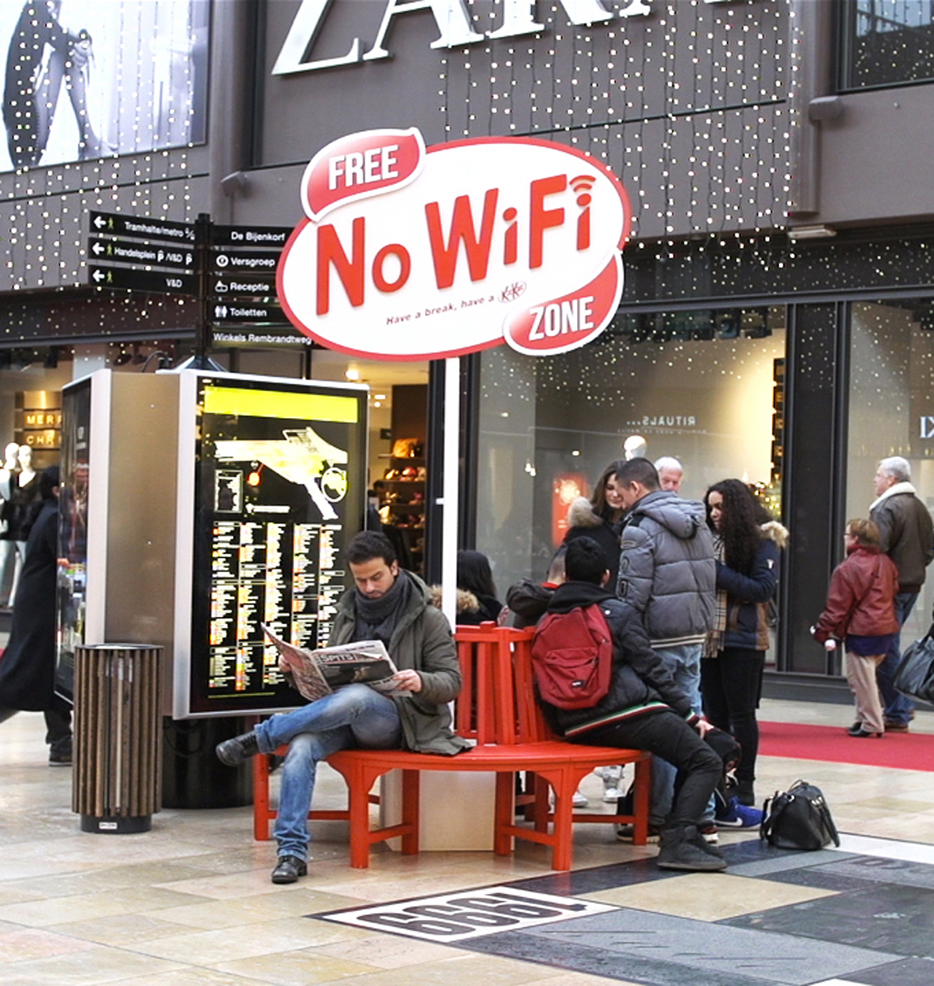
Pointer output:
x,y
230,269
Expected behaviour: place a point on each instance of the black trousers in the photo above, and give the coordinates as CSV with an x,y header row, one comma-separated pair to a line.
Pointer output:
x,y
730,686
57,724
667,735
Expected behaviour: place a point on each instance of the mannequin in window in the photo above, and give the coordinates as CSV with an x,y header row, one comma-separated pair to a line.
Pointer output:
x,y
23,505
9,557
635,447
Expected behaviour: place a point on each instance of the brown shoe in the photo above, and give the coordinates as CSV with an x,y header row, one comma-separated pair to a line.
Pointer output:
x,y
896,727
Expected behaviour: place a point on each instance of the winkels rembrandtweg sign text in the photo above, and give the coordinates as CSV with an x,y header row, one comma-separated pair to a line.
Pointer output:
x,y
410,252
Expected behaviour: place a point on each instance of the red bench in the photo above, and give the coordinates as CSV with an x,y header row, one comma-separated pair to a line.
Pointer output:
x,y
497,708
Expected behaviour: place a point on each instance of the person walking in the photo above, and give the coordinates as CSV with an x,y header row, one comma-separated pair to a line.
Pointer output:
x,y
747,546
907,537
860,609
27,668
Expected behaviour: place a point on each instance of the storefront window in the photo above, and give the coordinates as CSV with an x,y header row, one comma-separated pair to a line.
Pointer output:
x,y
892,411
706,387
887,42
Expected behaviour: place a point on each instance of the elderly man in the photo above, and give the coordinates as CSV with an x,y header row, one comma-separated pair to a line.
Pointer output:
x,y
670,473
388,604
907,532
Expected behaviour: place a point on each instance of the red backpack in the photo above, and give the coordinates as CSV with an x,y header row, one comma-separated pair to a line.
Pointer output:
x,y
572,657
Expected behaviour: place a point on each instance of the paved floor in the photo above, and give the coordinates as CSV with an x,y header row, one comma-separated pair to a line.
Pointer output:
x,y
191,902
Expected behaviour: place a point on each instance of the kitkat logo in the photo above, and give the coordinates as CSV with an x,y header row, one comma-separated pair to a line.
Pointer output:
x,y
410,253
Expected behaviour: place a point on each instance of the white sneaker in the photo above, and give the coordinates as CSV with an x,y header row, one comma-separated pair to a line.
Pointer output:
x,y
612,794
579,801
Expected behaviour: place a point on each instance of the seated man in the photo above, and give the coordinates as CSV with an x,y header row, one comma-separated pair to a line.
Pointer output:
x,y
643,710
385,604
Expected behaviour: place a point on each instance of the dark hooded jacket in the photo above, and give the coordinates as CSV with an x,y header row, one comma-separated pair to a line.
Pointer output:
x,y
667,572
640,683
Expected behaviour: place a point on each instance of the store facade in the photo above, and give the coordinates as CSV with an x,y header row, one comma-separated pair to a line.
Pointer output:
x,y
792,363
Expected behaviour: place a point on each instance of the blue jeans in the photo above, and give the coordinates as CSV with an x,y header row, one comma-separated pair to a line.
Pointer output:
x,y
354,716
683,662
895,706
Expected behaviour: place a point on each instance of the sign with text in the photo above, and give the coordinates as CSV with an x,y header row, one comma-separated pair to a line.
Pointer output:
x,y
411,253
463,914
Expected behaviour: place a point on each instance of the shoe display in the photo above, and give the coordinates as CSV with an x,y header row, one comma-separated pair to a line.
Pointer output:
x,y
238,749
683,848
579,800
863,734
739,816
896,727
289,869
709,833
625,832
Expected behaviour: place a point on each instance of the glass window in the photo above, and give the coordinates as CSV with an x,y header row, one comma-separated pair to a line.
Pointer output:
x,y
892,411
706,387
887,42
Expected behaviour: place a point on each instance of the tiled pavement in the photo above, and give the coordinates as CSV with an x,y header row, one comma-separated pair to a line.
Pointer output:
x,y
190,902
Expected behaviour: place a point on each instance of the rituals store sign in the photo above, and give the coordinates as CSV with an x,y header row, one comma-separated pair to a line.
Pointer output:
x,y
410,252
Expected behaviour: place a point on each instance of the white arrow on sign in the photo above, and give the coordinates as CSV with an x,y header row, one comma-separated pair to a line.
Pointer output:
x,y
98,276
100,221
98,249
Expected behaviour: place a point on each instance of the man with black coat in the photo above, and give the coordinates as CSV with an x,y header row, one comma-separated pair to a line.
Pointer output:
x,y
907,533
644,710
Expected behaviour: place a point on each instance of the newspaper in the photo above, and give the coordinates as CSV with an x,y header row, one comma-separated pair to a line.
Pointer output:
x,y
319,672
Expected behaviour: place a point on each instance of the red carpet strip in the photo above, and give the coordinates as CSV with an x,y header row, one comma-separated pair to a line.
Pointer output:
x,y
907,751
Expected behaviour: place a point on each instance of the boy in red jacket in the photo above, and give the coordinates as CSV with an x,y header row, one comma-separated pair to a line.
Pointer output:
x,y
860,609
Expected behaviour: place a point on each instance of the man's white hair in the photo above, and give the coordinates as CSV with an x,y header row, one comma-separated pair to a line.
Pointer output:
x,y
668,462
897,467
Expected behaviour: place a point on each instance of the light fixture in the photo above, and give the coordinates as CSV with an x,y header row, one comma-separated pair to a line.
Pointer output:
x,y
352,373
811,233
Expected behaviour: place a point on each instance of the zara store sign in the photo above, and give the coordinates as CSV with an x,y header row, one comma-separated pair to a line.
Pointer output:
x,y
455,26
408,252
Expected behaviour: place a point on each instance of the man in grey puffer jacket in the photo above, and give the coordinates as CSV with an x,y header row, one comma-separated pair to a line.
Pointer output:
x,y
667,574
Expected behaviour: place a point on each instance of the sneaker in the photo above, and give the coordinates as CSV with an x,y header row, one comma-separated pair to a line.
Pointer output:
x,y
624,833
611,795
739,816
683,848
709,832
238,749
579,801
289,868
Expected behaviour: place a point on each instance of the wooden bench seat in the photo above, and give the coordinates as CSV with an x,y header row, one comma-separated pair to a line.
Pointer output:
x,y
497,708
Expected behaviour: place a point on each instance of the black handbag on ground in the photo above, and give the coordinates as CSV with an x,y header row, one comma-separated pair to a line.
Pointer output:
x,y
915,674
798,819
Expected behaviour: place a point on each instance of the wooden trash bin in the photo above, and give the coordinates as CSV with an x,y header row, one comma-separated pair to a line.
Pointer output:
x,y
117,784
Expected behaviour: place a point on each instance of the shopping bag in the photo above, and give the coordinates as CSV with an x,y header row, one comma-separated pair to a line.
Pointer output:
x,y
914,676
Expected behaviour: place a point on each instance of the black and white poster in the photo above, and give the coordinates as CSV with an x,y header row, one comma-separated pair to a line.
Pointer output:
x,y
87,79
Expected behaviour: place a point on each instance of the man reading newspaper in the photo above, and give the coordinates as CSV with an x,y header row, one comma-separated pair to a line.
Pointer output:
x,y
385,604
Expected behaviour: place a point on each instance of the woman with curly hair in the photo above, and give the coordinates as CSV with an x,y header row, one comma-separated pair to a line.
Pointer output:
x,y
747,542
599,518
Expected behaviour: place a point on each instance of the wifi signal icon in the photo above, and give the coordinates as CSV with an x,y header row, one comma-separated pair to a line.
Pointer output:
x,y
581,185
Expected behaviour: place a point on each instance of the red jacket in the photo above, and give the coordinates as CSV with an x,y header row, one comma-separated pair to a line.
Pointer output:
x,y
861,597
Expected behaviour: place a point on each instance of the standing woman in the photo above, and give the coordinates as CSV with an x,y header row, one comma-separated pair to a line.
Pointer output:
x,y
599,518
860,609
747,542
